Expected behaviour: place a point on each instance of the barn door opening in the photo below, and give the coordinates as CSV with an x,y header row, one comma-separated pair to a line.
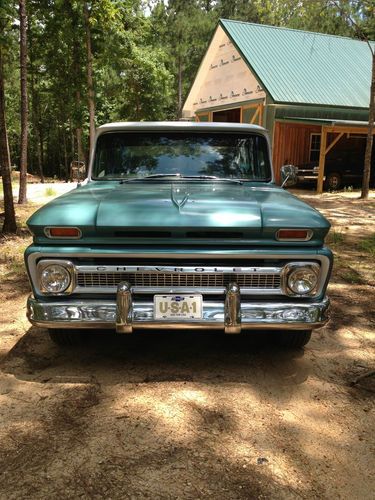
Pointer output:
x,y
227,115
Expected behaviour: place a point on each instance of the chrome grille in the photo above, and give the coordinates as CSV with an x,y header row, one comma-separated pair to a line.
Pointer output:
x,y
269,281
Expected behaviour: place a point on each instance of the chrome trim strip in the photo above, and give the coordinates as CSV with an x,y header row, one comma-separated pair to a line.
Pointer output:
x,y
293,315
162,290
232,309
284,253
124,308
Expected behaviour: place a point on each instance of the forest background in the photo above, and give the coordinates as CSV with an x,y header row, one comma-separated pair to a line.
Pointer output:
x,y
85,63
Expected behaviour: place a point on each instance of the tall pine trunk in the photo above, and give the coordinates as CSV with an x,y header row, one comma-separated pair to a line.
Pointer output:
x,y
179,103
10,225
370,136
76,67
90,85
24,101
80,152
35,107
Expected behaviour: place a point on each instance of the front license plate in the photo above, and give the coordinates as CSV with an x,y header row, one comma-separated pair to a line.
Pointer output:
x,y
181,307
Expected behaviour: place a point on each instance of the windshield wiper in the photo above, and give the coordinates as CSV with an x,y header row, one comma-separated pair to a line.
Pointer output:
x,y
179,176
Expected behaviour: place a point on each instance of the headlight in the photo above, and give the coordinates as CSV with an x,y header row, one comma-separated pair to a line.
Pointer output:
x,y
54,278
302,279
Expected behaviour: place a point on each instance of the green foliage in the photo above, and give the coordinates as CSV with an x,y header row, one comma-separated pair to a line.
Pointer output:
x,y
335,238
147,85
184,28
353,276
368,245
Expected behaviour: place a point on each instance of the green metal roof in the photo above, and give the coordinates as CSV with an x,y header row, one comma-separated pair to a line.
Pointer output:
x,y
303,67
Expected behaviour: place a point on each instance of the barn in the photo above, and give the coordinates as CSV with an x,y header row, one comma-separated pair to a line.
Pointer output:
x,y
310,90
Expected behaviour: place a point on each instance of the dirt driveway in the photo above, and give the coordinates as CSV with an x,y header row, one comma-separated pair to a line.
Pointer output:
x,y
197,416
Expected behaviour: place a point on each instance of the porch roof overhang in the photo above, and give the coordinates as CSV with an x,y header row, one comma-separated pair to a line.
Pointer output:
x,y
327,122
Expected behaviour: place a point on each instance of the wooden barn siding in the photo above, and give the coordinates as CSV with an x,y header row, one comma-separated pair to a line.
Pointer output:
x,y
291,144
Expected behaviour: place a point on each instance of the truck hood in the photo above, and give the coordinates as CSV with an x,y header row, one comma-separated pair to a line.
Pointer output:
x,y
204,212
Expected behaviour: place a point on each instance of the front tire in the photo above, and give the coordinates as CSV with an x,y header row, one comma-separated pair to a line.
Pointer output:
x,y
64,338
294,339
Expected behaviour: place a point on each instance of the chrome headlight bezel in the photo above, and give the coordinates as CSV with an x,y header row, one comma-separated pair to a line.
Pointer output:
x,y
292,267
66,265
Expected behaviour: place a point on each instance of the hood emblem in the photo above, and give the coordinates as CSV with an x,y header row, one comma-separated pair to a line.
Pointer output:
x,y
179,197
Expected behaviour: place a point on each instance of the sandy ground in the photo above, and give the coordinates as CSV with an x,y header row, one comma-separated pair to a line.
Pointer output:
x,y
40,193
196,416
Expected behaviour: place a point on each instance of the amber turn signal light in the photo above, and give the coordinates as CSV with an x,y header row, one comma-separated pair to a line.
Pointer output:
x,y
294,234
63,232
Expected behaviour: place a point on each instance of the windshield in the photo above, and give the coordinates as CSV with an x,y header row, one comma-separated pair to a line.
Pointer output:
x,y
138,155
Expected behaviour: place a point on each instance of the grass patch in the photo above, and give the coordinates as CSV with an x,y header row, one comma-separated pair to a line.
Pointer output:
x,y
11,260
335,237
49,191
353,276
368,245
12,247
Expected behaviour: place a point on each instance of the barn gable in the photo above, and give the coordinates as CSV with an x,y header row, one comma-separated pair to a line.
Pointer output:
x,y
223,79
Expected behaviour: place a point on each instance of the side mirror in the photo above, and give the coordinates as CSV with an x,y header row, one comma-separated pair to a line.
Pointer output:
x,y
289,175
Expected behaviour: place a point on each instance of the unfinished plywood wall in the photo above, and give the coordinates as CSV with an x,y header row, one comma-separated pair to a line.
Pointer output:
x,y
291,144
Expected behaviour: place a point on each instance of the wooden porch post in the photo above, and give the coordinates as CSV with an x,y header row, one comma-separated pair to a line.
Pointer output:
x,y
322,160
260,121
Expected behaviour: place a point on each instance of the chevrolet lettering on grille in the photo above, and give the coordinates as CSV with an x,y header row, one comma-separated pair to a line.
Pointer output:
x,y
169,269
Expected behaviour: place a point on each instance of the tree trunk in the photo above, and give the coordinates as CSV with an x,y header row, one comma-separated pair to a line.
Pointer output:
x,y
76,66
179,104
66,169
370,136
90,85
39,155
80,152
24,103
41,140
10,225
35,107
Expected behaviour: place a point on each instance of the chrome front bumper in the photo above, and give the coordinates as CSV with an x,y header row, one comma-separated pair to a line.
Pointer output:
x,y
230,315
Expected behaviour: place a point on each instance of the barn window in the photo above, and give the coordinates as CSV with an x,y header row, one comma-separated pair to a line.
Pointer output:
x,y
314,146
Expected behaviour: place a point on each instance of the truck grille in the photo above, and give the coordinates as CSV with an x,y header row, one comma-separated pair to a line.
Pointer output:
x,y
269,281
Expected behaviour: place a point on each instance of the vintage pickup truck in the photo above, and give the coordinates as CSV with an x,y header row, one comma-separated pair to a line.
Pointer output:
x,y
179,225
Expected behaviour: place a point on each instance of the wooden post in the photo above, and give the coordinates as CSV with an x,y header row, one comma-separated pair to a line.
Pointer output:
x,y
260,121
255,116
322,160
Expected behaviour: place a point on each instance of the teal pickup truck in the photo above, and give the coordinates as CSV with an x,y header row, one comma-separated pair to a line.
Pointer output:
x,y
179,225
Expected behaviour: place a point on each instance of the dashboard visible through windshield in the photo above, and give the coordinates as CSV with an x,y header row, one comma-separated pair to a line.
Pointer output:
x,y
127,156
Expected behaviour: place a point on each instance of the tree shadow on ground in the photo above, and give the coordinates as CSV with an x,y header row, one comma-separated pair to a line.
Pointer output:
x,y
159,357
